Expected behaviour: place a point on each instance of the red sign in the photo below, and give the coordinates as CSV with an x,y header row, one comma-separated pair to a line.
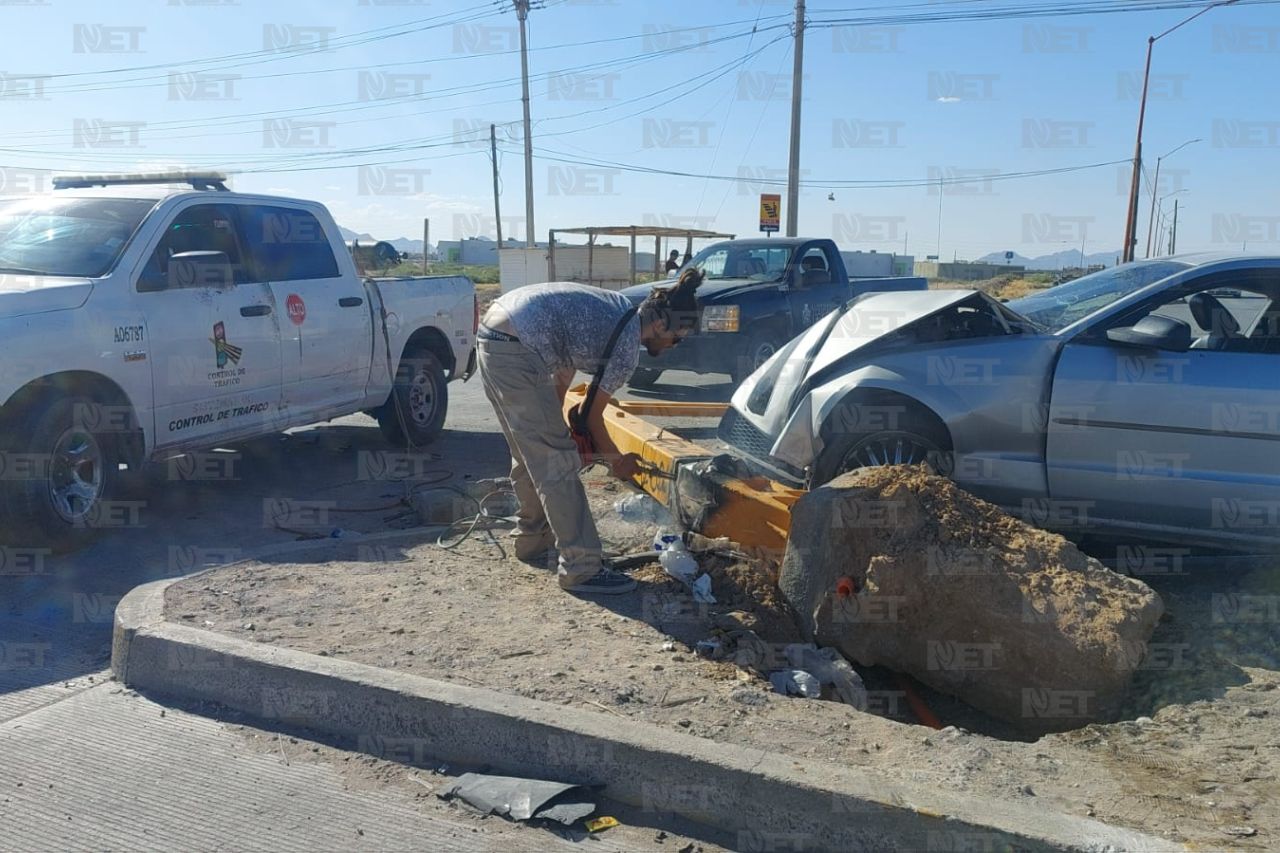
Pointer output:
x,y
297,309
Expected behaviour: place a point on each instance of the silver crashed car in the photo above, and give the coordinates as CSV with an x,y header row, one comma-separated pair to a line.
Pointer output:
x,y
1143,399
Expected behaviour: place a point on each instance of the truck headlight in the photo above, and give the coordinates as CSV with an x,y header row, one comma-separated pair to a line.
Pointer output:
x,y
720,318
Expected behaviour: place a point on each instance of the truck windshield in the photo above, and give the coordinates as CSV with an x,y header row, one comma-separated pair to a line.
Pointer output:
x,y
759,263
76,237
1059,307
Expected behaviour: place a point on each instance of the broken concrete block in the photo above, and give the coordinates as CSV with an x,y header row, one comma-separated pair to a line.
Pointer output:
x,y
900,568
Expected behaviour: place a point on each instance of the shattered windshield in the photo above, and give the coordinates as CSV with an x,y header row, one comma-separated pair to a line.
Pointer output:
x,y
1059,307
76,237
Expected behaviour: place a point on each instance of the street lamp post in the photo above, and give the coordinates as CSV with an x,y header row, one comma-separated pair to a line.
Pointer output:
x,y
1160,213
1131,218
1155,187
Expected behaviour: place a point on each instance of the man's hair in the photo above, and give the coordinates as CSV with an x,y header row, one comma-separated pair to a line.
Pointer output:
x,y
677,306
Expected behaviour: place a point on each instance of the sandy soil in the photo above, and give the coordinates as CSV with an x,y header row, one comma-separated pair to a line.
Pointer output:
x,y
1196,764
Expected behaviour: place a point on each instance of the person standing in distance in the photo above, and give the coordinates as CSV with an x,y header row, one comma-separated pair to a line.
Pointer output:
x,y
531,343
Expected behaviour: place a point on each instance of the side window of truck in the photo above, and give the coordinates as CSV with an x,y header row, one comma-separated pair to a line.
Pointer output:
x,y
199,228
288,244
815,267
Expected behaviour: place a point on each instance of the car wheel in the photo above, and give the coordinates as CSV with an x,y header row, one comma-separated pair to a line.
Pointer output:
x,y
644,377
414,414
758,348
876,449
60,474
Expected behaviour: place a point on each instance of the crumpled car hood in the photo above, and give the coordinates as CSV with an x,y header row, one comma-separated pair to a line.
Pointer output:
x,y
840,333
847,338
21,295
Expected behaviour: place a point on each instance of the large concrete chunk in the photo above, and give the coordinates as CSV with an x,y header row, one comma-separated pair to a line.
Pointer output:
x,y
1013,620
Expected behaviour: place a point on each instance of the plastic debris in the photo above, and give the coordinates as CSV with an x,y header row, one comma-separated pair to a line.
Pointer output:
x,y
642,509
522,799
600,824
667,539
702,590
679,564
795,682
708,649
829,667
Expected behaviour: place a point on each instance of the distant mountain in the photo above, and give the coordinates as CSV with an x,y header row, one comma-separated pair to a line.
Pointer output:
x,y
1056,261
402,244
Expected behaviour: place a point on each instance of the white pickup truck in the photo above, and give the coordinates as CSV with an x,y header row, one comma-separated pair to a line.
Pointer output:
x,y
151,315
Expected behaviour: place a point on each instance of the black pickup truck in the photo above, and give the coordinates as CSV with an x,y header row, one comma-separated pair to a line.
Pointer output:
x,y
757,295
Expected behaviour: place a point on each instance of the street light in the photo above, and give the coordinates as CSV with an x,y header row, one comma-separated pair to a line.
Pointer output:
x,y
1131,218
1167,223
1159,210
1155,187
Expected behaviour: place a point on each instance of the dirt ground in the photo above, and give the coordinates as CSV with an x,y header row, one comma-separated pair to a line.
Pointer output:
x,y
1194,763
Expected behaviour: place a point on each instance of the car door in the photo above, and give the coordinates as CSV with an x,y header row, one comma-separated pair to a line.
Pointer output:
x,y
815,291
326,327
1177,440
214,347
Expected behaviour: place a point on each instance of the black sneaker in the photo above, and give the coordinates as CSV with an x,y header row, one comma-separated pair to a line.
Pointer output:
x,y
603,582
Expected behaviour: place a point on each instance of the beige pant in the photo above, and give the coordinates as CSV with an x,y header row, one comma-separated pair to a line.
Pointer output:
x,y
544,459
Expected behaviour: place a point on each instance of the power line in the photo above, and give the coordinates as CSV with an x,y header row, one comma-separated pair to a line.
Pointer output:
x,y
162,80
828,183
342,107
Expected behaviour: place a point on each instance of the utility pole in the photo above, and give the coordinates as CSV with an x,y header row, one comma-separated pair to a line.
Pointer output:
x,y
493,155
1173,233
793,166
1155,189
426,243
1131,218
522,12
938,250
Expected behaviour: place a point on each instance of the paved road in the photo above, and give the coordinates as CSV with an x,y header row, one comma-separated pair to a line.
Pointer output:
x,y
56,612
106,769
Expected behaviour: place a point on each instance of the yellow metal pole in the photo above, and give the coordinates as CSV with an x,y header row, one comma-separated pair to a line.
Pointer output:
x,y
754,512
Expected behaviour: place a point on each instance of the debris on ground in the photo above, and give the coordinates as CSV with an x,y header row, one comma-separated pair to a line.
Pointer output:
x,y
1205,762
600,824
795,682
1014,620
522,799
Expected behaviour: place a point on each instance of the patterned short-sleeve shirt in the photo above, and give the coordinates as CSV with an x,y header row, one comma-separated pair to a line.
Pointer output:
x,y
568,325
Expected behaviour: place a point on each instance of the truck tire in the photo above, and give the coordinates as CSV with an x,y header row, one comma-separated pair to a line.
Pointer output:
x,y
61,474
644,377
413,415
758,347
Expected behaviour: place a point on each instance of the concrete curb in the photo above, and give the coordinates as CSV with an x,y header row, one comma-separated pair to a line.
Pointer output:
x,y
771,801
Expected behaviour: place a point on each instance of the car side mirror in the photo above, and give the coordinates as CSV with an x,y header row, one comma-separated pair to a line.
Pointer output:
x,y
200,269
1154,332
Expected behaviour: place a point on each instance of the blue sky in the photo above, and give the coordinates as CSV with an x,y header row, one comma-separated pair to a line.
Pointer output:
x,y
90,87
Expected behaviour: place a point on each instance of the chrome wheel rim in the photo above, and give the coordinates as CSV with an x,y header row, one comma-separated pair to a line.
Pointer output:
x,y
76,476
897,448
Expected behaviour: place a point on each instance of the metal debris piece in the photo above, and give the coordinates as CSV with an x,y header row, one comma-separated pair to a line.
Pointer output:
x,y
522,799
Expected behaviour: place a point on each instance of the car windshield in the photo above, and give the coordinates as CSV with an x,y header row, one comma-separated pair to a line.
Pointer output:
x,y
75,237
1059,307
756,262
